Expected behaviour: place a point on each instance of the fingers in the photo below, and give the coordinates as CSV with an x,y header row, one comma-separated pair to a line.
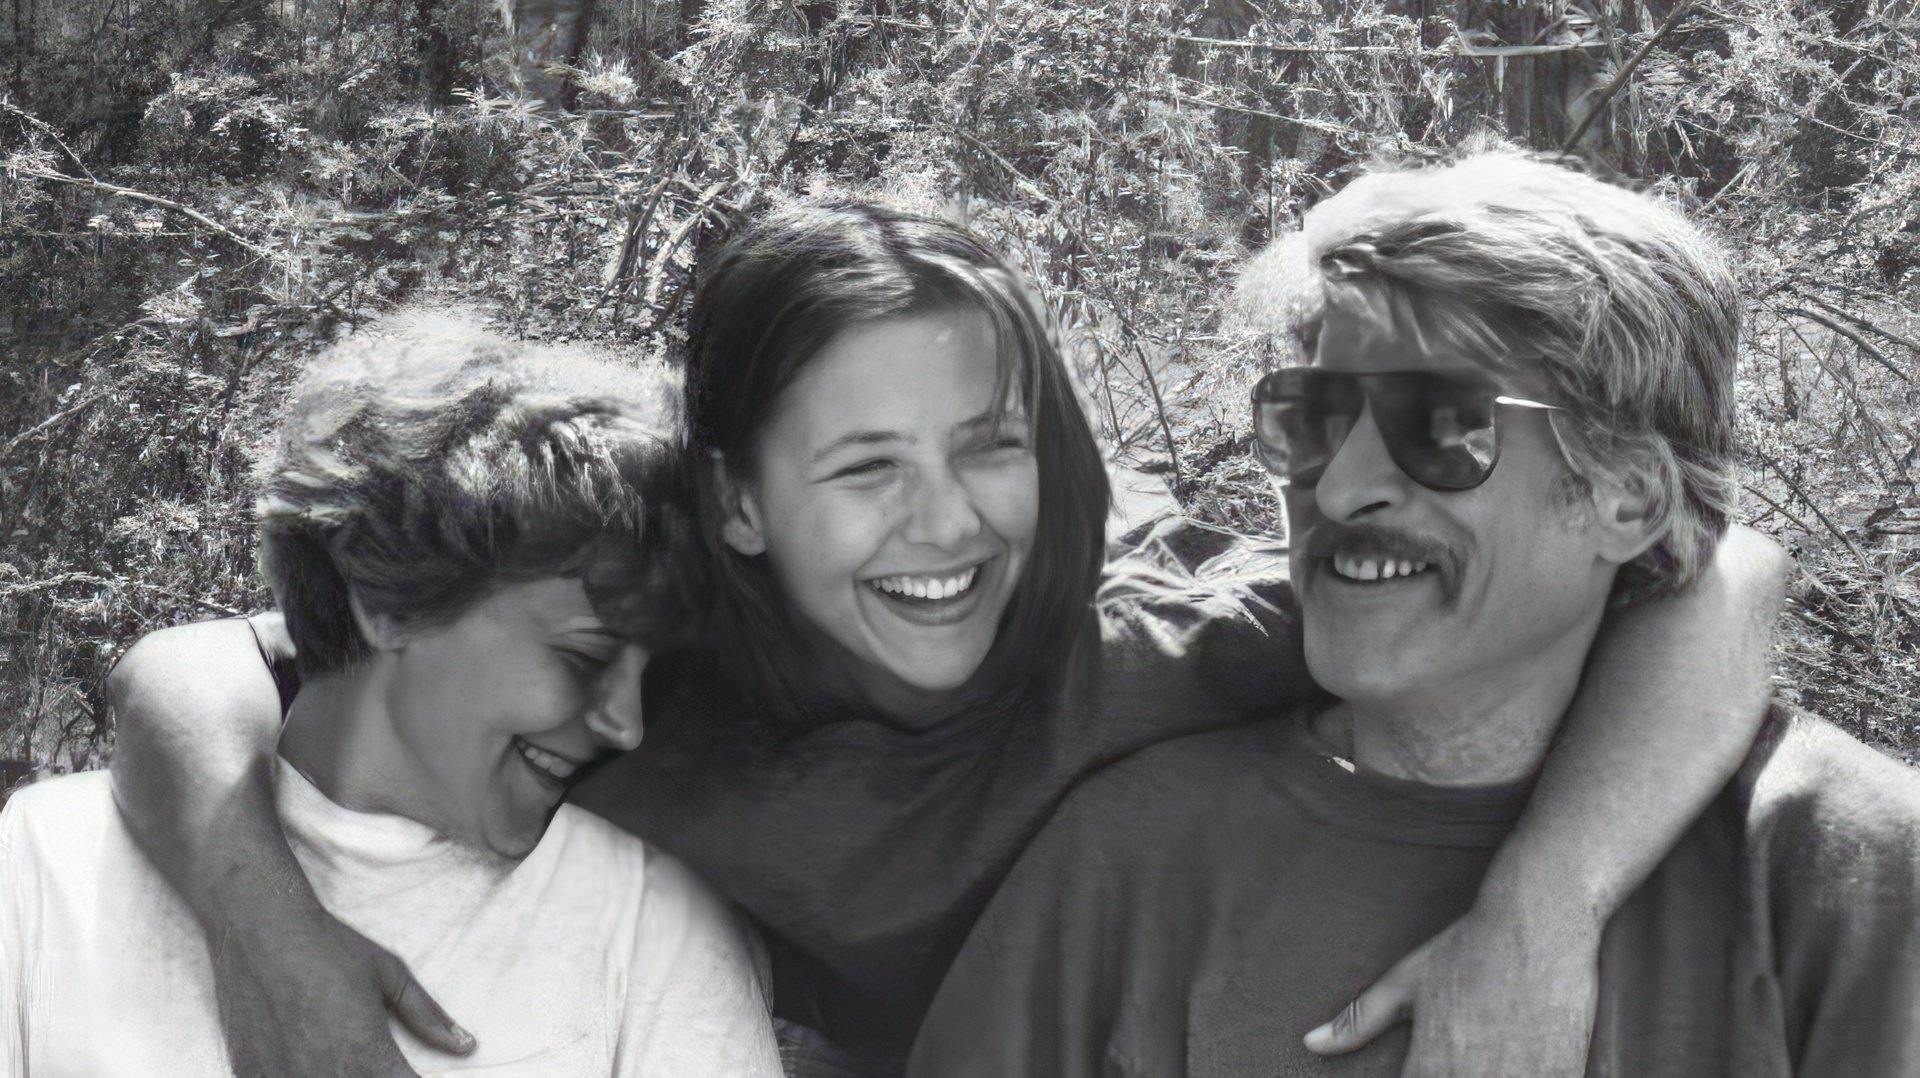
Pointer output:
x,y
418,1011
1386,1004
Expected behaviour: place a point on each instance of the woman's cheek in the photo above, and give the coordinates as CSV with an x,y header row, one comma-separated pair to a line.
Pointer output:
x,y
1010,500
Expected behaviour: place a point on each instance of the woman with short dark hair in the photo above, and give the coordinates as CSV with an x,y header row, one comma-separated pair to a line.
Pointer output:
x,y
466,537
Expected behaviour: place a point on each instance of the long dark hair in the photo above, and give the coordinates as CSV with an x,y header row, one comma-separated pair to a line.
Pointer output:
x,y
769,301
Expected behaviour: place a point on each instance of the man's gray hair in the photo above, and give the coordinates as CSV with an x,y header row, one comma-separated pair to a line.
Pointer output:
x,y
1627,310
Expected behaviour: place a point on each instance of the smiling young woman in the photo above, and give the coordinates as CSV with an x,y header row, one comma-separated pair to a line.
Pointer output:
x,y
897,525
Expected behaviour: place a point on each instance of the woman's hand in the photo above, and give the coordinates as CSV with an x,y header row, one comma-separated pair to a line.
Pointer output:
x,y
312,998
1494,995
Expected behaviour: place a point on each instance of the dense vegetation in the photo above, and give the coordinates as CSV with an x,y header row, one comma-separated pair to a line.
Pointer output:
x,y
194,194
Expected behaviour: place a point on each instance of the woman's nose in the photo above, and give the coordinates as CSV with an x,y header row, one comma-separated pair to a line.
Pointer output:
x,y
942,512
1362,477
615,715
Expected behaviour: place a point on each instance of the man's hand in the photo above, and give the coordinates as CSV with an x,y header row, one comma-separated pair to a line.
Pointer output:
x,y
313,1000
1492,996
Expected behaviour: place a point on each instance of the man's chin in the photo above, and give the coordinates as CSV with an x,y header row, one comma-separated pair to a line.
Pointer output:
x,y
1358,665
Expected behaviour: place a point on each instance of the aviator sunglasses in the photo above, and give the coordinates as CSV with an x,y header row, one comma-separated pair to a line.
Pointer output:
x,y
1440,429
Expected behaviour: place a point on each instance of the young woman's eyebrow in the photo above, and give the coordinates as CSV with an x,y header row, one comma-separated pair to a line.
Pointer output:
x,y
992,420
865,437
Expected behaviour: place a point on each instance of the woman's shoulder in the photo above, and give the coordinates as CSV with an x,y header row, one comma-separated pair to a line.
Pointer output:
x,y
583,840
1190,612
1183,573
64,815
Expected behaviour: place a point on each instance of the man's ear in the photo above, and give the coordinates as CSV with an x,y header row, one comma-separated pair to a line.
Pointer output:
x,y
382,632
1629,514
740,526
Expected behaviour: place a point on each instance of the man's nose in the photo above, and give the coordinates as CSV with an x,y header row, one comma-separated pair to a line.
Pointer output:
x,y
941,512
614,716
1361,478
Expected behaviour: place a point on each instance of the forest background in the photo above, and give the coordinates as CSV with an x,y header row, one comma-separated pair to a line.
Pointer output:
x,y
197,194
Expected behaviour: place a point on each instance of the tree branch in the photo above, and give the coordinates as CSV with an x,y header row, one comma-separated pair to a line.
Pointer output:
x,y
1620,77
1298,121
152,200
1280,46
1864,345
34,121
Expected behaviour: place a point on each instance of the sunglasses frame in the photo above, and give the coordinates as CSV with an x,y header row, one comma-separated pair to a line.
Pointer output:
x,y
1265,393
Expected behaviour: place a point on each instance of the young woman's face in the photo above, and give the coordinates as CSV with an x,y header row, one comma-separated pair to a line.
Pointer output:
x,y
496,710
896,499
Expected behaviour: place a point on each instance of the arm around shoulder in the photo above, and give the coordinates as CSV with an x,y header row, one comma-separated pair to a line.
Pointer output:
x,y
198,715
197,712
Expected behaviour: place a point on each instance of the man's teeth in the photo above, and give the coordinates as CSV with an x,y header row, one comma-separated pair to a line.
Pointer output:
x,y
928,587
557,766
1354,568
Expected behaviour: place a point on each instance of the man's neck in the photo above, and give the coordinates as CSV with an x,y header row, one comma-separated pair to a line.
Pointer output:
x,y
1489,728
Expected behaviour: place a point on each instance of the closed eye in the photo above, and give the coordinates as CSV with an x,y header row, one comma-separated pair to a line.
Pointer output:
x,y
585,662
872,467
1005,443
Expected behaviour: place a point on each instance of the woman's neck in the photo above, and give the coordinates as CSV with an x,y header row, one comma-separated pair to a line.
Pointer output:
x,y
336,734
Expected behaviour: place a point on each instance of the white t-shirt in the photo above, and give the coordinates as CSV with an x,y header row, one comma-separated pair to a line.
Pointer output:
x,y
592,956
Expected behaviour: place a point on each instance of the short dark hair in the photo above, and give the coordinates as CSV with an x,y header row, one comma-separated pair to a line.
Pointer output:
x,y
422,464
779,292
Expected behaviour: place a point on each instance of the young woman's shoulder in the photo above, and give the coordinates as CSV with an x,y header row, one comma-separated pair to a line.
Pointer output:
x,y
1195,614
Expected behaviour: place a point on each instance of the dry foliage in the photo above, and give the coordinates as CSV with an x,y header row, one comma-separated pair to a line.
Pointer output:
x,y
195,194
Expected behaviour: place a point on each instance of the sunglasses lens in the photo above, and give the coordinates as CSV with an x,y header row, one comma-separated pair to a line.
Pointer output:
x,y
1439,431
1300,417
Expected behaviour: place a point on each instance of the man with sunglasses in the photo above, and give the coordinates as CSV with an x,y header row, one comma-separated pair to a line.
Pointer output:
x,y
1513,412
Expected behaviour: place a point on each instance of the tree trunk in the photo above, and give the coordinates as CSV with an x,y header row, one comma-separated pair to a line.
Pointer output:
x,y
546,34
1537,95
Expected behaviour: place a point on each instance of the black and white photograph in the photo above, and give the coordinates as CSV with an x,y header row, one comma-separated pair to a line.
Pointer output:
x,y
973,539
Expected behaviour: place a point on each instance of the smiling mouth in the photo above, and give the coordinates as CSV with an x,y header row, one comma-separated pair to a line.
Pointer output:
x,y
548,765
932,600
1374,570
928,590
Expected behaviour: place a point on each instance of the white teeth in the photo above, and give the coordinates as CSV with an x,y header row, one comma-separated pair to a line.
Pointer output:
x,y
928,587
1353,568
559,767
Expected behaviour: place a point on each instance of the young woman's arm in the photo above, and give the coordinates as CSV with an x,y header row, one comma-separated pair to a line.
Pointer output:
x,y
1673,695
198,714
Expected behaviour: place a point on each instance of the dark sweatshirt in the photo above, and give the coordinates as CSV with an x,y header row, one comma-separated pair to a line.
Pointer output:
x,y
1197,908
865,851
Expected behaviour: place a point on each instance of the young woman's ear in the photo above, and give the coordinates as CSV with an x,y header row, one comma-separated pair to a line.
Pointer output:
x,y
740,525
1630,514
382,632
